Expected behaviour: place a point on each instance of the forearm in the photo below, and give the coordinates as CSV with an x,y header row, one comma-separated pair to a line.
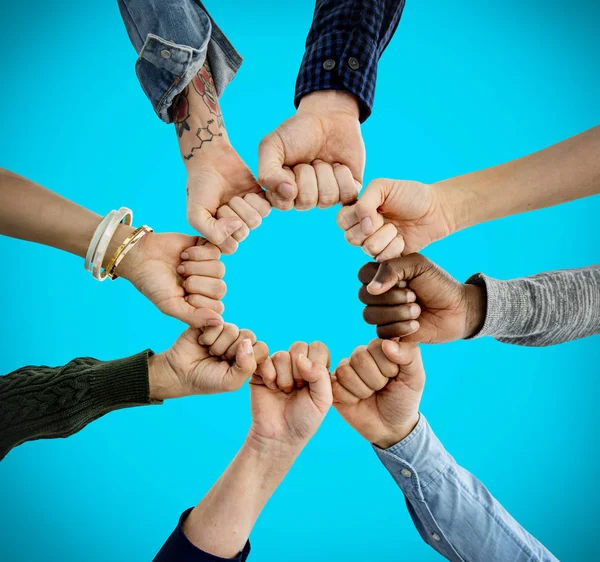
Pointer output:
x,y
31,212
47,402
563,172
453,511
544,309
221,523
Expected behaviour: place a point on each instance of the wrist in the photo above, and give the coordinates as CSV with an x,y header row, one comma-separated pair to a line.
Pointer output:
x,y
122,232
327,101
163,381
271,448
398,433
476,303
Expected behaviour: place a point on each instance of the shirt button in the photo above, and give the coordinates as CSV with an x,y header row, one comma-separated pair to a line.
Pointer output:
x,y
353,63
406,473
436,537
329,64
165,54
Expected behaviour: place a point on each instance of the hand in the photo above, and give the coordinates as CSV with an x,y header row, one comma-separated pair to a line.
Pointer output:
x,y
220,185
218,359
155,267
378,390
283,415
446,309
394,218
316,157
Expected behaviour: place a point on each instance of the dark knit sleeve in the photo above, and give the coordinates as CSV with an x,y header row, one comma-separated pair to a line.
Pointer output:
x,y
45,402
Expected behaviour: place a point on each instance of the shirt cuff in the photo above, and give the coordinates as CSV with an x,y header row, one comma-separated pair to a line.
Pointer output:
x,y
340,61
417,461
178,547
507,307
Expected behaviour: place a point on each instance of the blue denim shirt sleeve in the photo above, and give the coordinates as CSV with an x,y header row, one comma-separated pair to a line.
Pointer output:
x,y
178,548
452,510
344,45
173,39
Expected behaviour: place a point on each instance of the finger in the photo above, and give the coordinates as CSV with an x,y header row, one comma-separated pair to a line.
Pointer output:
x,y
391,298
381,315
278,202
349,379
319,353
319,383
406,355
357,237
283,366
261,352
243,335
368,204
393,250
391,272
213,268
386,367
397,329
194,317
206,286
246,212
347,185
272,174
244,366
227,212
209,335
329,192
200,301
366,368
347,218
267,371
259,202
216,230
298,348
342,395
204,252
308,190
227,336
380,240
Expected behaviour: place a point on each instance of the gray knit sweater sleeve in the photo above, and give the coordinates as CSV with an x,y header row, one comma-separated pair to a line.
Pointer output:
x,y
46,402
545,309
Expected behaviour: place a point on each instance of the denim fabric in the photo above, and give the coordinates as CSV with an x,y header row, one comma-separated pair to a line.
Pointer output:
x,y
178,548
173,39
452,510
353,34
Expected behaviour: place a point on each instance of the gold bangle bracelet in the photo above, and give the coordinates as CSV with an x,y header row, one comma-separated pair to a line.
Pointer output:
x,y
124,249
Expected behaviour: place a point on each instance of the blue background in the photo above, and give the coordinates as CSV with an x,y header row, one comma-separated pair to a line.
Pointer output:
x,y
463,85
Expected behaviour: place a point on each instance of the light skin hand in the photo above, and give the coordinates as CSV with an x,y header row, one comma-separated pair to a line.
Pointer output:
x,y
224,200
317,157
217,359
433,308
282,424
378,390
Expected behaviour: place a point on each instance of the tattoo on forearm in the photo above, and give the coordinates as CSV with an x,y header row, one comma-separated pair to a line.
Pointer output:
x,y
203,85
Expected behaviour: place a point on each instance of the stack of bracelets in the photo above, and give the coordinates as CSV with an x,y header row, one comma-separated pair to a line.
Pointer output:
x,y
101,240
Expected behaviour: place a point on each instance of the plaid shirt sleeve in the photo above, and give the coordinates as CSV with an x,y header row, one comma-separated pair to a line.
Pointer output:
x,y
344,44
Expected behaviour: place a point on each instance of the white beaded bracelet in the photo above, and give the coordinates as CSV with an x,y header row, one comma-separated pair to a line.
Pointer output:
x,y
122,214
95,239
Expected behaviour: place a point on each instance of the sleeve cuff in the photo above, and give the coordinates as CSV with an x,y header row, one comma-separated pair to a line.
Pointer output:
x,y
340,61
417,461
178,547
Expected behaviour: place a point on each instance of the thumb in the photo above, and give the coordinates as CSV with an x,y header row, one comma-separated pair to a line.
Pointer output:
x,y
366,208
318,379
192,316
392,272
244,366
406,355
271,172
214,230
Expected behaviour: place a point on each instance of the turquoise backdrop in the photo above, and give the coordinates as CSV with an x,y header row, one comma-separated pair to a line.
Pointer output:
x,y
463,85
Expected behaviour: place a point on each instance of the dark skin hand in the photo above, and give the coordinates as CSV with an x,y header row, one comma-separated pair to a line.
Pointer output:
x,y
400,291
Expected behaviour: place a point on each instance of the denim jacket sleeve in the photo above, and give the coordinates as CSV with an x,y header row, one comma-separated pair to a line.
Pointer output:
x,y
173,39
452,510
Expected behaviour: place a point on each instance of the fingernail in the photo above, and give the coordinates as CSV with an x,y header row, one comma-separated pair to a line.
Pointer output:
x,y
366,225
402,284
414,311
247,346
185,256
375,285
213,322
304,361
411,297
414,325
286,190
394,345
336,164
180,269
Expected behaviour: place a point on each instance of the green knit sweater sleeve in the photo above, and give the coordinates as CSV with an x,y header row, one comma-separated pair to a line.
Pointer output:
x,y
46,402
